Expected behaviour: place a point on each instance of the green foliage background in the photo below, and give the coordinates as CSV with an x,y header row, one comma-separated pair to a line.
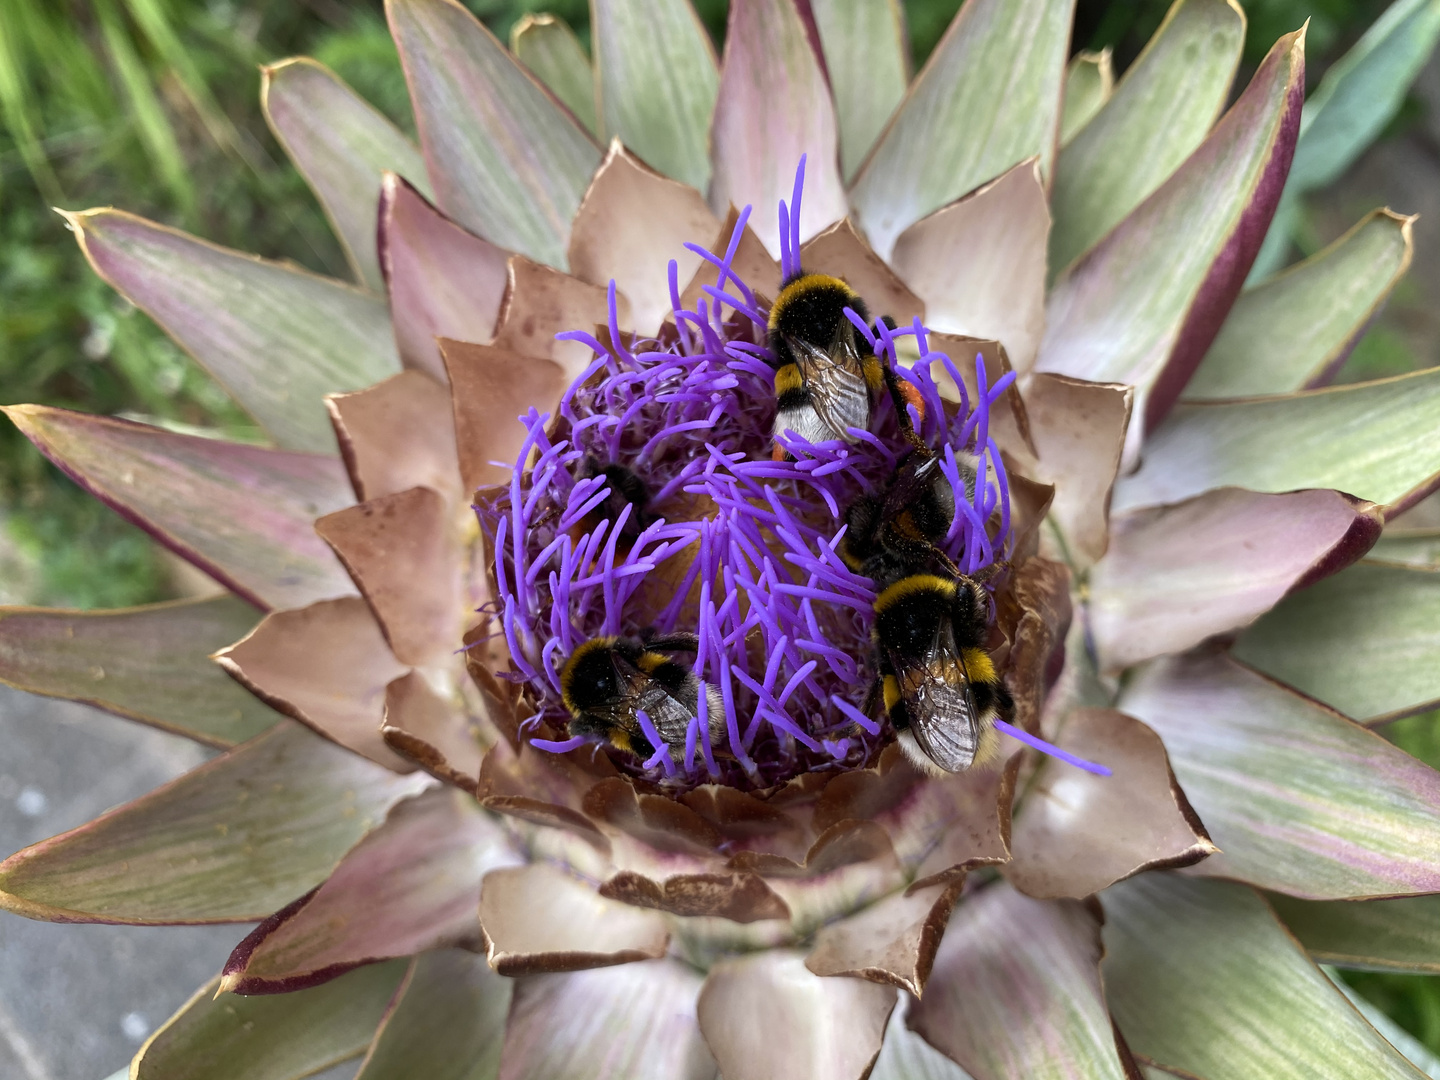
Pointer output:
x,y
153,105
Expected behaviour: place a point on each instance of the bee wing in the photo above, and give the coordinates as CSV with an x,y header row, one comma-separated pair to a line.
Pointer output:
x,y
836,382
669,714
941,708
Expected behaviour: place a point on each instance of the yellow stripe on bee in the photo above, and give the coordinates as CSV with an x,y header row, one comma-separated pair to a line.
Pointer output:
x,y
874,373
649,661
620,739
787,378
978,665
915,583
891,687
799,287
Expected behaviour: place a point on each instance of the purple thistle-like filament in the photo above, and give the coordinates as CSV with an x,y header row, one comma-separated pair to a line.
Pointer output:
x,y
735,546
1051,749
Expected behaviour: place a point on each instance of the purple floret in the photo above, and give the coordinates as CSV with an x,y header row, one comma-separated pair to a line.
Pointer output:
x,y
735,547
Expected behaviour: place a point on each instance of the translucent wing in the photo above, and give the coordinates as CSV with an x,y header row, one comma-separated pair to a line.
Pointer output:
x,y
670,715
940,706
836,382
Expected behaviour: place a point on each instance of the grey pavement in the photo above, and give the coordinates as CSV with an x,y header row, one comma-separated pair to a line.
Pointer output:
x,y
77,1001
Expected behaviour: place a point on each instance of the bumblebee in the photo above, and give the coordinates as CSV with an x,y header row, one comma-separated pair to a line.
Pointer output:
x,y
827,376
939,686
608,680
625,488
899,532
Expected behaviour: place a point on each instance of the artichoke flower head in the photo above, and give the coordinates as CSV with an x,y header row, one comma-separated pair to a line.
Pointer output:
x,y
556,742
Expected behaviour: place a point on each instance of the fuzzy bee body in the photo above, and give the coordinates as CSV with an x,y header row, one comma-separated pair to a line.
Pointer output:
x,y
939,686
608,681
625,489
826,375
900,531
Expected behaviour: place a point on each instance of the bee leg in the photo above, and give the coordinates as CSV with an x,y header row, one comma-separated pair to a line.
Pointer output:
x,y
903,394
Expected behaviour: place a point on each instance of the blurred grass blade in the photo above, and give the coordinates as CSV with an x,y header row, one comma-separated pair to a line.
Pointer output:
x,y
1297,329
1365,642
1353,103
154,22
20,113
150,120
1089,81
549,48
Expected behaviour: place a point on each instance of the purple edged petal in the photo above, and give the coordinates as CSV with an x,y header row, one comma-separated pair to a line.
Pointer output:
x,y
201,849
1158,114
276,337
1298,798
1297,329
1144,305
1077,833
1203,979
411,885
771,57
1176,575
766,1017
150,664
507,160
442,280
341,144
243,514
1015,991
635,1022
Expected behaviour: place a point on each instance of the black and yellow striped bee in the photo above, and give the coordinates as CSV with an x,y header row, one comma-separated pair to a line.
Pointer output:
x,y
939,686
607,681
900,531
827,376
625,489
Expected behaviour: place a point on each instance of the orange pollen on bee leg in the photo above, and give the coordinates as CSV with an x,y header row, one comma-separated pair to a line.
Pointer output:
x,y
912,397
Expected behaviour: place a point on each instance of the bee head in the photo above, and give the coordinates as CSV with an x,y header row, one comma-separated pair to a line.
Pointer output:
x,y
589,679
